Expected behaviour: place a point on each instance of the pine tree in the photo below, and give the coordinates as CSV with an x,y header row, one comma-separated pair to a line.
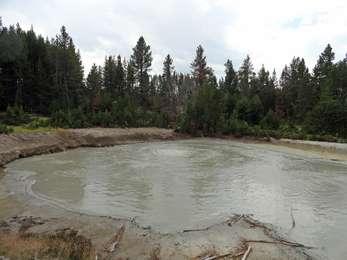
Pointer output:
x,y
141,60
76,75
130,79
38,70
340,81
110,76
167,88
200,71
94,85
323,74
68,75
94,80
119,77
246,76
230,81
264,87
297,89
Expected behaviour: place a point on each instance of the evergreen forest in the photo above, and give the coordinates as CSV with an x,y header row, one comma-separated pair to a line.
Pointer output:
x,y
43,84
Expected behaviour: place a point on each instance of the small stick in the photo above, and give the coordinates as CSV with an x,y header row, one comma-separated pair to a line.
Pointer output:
x,y
194,230
293,219
115,240
282,242
225,255
247,253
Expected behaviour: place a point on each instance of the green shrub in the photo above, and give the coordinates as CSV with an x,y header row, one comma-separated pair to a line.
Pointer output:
x,y
322,138
15,116
203,112
103,119
249,110
76,118
4,129
60,119
162,120
123,112
291,131
38,122
184,120
257,131
270,121
236,127
328,118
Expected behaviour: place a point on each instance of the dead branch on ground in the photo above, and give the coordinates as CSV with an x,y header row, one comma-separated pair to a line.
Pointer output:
x,y
231,255
112,244
247,253
280,241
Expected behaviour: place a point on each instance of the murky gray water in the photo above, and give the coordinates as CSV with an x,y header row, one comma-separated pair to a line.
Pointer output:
x,y
183,184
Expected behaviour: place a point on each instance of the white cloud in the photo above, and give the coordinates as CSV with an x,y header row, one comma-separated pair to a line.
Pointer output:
x,y
271,31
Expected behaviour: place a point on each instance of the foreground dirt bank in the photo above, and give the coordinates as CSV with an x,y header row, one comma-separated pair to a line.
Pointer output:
x,y
16,146
88,237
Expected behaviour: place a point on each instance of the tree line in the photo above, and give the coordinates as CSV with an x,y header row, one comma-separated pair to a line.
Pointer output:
x,y
44,76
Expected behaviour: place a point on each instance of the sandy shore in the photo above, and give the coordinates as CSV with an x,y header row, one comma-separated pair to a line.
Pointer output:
x,y
46,232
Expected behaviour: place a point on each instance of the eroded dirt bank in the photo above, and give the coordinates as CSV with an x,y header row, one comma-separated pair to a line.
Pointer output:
x,y
45,232
16,146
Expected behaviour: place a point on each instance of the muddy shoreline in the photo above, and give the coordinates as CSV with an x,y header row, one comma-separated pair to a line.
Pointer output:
x,y
105,237
15,146
113,238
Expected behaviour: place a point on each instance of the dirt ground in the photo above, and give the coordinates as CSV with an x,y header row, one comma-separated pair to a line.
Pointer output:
x,y
16,146
89,237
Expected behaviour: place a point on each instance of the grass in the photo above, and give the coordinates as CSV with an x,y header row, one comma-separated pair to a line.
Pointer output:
x,y
32,124
25,129
16,246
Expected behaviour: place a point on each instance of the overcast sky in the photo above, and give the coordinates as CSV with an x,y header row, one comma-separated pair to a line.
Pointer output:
x,y
272,32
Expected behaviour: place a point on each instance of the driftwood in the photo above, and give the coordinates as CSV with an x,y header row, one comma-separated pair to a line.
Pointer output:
x,y
280,241
253,223
235,219
247,253
218,256
194,230
268,232
112,244
232,255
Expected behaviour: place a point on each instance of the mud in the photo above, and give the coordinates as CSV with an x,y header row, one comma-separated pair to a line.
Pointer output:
x,y
66,234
